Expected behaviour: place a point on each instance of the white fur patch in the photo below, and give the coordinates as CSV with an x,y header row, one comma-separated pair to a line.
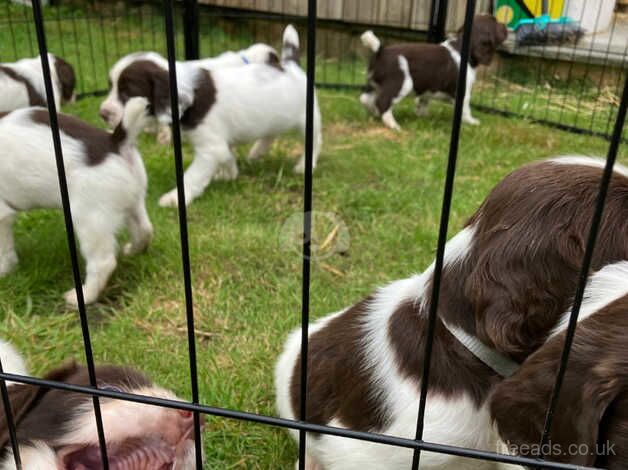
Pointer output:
x,y
588,161
14,94
603,288
12,361
371,41
35,456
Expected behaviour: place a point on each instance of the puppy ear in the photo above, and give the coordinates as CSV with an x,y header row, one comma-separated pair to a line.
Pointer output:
x,y
160,95
23,399
67,78
519,404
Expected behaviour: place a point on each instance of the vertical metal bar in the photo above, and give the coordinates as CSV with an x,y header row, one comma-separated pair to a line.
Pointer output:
x,y
9,14
586,262
572,62
603,73
438,21
191,29
69,228
183,221
307,219
587,70
617,87
461,89
114,29
28,32
90,41
78,52
10,421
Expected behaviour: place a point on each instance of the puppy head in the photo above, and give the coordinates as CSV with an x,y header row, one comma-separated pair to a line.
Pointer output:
x,y
260,54
66,77
487,35
136,75
157,437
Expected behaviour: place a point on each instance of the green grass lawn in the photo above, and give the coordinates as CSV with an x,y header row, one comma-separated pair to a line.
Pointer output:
x,y
385,186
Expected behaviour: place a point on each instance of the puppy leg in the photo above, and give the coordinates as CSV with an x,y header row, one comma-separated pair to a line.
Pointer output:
x,y
199,174
317,144
368,101
466,108
140,229
398,86
261,148
422,104
310,464
96,235
8,256
227,171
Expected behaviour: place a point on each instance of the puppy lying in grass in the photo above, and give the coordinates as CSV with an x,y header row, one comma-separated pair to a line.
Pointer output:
x,y
56,430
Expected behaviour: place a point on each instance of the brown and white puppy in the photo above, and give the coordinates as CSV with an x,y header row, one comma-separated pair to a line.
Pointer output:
x,y
590,426
508,277
106,180
22,83
427,69
220,108
56,430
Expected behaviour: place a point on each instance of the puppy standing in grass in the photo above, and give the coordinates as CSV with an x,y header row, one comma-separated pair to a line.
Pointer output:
x,y
56,430
427,69
106,181
220,108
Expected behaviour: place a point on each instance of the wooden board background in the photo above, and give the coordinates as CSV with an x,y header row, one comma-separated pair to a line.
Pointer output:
x,y
412,14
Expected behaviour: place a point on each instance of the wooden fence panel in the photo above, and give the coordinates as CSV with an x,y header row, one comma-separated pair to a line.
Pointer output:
x,y
396,13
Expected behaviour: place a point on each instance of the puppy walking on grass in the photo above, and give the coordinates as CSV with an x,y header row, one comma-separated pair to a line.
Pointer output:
x,y
106,182
430,70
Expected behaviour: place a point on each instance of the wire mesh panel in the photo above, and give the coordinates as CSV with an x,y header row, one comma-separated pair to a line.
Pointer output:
x,y
170,40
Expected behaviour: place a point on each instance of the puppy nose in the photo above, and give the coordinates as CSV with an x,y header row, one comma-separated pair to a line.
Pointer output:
x,y
185,414
188,418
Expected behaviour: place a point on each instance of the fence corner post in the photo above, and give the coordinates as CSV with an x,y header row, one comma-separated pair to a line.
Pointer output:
x,y
191,29
438,21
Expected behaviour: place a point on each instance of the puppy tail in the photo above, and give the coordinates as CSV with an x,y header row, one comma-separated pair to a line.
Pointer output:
x,y
291,50
12,361
134,120
371,41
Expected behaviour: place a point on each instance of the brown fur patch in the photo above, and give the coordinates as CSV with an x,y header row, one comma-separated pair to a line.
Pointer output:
x,y
593,404
34,98
98,142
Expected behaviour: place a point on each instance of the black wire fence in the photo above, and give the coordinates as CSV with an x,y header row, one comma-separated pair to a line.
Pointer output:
x,y
170,35
573,87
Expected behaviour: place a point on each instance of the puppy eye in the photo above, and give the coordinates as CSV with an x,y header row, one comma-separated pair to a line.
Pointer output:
x,y
110,388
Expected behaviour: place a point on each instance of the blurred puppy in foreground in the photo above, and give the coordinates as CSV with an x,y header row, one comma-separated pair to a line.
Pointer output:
x,y
56,430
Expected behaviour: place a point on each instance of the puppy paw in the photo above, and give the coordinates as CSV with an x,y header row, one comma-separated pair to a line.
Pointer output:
x,y
471,120
8,264
169,200
226,174
131,250
71,298
300,167
164,136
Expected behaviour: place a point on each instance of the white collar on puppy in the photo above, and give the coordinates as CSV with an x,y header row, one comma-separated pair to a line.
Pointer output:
x,y
501,364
